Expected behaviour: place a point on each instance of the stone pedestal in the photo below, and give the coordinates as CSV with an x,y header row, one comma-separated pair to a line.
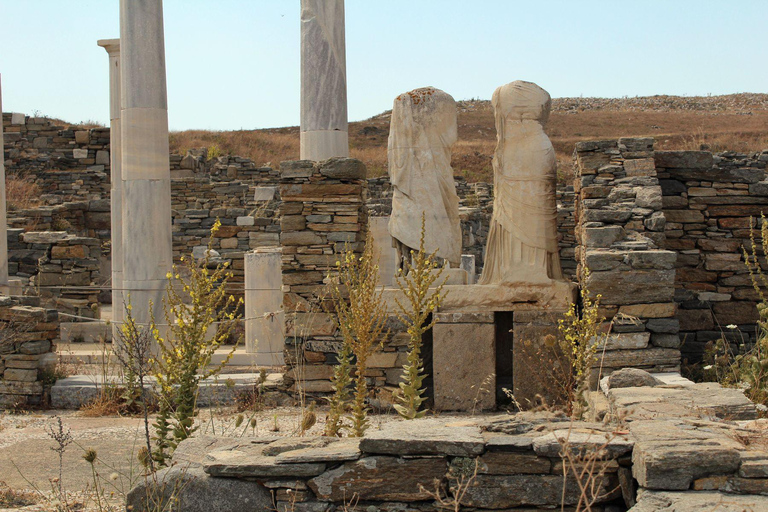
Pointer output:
x,y
146,208
112,46
323,80
383,252
264,316
468,265
464,362
3,221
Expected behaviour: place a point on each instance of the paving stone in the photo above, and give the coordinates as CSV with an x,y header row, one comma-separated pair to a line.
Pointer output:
x,y
336,451
425,437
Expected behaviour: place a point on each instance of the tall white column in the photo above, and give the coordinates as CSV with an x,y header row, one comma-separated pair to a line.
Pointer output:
x,y
112,46
264,316
323,80
146,208
4,289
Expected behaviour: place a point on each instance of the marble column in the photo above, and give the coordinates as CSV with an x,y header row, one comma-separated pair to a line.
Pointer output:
x,y
264,316
112,46
146,201
4,289
323,80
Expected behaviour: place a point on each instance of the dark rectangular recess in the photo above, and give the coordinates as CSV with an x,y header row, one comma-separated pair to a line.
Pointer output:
x,y
504,357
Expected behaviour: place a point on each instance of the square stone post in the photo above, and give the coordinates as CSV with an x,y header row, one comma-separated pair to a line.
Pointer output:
x,y
264,317
146,208
112,46
323,80
4,289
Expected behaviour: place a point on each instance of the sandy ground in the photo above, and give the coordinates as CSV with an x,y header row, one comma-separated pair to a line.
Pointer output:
x,y
28,461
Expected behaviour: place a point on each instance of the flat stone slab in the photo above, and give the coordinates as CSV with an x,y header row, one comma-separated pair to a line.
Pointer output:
x,y
248,461
582,441
338,450
696,501
430,436
694,401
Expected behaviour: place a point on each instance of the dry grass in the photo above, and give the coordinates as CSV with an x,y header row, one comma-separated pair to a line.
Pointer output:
x,y
21,192
735,122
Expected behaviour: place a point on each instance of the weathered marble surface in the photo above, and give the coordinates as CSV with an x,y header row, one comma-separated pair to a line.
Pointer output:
x,y
3,219
146,208
323,80
112,46
264,316
421,133
522,242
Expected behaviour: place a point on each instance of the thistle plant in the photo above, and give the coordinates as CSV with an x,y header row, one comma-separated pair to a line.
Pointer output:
x,y
361,315
185,347
421,300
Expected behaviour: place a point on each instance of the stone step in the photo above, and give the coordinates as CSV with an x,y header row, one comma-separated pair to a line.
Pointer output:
x,y
96,353
72,392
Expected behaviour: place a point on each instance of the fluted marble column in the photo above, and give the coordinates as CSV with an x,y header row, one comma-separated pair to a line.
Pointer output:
x,y
323,80
146,208
112,46
4,289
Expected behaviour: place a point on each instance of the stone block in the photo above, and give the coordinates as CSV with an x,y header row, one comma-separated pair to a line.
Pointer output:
x,y
659,310
102,157
684,159
379,478
340,168
264,193
429,436
245,221
301,238
79,153
735,312
65,252
82,136
622,341
673,465
603,236
510,463
302,325
20,375
464,359
293,223
684,216
649,197
640,286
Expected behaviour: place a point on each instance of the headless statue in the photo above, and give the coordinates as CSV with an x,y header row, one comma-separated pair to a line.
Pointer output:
x,y
522,241
421,133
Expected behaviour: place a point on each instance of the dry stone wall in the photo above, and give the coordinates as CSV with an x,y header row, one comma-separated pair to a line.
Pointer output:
x,y
27,351
620,232
713,205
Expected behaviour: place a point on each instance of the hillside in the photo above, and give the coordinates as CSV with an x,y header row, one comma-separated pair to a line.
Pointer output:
x,y
737,122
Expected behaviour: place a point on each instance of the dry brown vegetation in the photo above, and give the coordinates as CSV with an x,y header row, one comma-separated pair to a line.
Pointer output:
x,y
737,122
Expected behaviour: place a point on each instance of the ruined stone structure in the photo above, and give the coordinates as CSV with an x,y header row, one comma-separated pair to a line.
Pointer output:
x,y
620,230
27,350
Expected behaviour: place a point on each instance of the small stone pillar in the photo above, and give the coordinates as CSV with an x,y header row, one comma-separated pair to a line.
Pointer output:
x,y
146,208
323,80
112,46
464,361
383,252
264,316
3,221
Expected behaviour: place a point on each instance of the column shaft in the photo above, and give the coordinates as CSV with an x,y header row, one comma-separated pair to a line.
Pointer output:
x,y
323,80
146,199
3,220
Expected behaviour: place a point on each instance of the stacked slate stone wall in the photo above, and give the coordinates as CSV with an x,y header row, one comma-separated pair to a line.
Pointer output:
x,y
713,204
82,218
620,231
68,162
27,350
322,214
63,269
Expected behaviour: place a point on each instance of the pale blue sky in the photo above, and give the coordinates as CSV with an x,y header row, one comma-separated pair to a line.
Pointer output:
x,y
234,64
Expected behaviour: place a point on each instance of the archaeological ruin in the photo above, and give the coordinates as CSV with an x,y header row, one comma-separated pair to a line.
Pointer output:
x,y
659,236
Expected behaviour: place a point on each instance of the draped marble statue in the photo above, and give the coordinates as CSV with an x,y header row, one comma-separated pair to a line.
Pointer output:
x,y
421,133
522,241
